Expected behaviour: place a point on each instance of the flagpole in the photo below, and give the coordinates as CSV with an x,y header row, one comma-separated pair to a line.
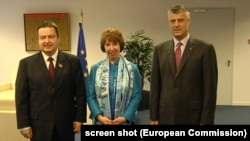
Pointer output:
x,y
81,16
81,51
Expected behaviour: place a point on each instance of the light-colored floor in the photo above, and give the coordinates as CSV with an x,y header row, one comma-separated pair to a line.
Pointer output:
x,y
224,115
8,126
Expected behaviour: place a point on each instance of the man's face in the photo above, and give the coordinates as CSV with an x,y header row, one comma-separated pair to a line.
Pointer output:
x,y
179,25
48,40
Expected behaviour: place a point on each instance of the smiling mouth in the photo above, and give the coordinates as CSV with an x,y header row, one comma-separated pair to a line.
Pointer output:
x,y
47,46
177,30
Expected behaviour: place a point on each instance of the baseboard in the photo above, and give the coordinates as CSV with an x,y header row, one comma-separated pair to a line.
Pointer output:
x,y
241,103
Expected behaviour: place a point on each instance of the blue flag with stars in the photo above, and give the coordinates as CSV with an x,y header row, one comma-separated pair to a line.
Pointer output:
x,y
82,55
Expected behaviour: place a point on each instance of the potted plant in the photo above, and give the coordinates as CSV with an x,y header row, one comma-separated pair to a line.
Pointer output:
x,y
139,50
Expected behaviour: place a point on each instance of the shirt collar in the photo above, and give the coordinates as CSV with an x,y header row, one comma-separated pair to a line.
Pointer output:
x,y
183,41
54,56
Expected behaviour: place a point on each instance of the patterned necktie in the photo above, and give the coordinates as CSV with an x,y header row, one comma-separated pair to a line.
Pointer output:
x,y
51,68
178,55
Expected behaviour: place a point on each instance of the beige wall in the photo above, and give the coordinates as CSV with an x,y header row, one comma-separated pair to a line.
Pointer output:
x,y
126,15
8,129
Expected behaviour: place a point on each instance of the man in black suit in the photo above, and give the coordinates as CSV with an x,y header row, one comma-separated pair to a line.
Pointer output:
x,y
183,93
50,109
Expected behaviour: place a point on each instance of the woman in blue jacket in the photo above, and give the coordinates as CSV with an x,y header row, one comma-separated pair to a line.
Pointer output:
x,y
114,84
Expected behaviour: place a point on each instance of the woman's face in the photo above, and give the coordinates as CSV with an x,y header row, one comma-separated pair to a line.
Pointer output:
x,y
112,49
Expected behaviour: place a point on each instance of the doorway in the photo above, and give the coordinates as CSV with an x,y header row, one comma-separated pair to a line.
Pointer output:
x,y
216,25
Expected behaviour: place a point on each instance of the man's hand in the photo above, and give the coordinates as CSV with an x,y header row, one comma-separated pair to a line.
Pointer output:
x,y
77,126
154,122
27,133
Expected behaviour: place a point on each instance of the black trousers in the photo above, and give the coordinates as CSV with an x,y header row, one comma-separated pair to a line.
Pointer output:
x,y
55,136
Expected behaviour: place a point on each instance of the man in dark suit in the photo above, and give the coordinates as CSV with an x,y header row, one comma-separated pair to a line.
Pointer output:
x,y
183,93
50,109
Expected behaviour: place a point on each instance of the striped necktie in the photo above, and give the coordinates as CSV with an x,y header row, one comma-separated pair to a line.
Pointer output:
x,y
178,55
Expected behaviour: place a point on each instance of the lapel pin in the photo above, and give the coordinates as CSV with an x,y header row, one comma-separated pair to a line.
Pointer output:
x,y
60,66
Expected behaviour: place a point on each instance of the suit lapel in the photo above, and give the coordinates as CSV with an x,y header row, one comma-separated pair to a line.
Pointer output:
x,y
189,49
170,54
60,63
44,70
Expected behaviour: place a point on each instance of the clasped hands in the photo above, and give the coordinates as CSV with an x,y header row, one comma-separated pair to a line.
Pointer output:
x,y
107,121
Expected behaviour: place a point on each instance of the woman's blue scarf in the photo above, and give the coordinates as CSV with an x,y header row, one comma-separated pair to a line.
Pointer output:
x,y
123,87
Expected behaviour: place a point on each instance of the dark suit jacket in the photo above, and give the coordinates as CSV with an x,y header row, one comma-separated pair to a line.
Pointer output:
x,y
42,103
188,95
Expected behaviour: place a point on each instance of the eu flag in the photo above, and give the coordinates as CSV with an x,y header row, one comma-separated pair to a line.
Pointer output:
x,y
82,55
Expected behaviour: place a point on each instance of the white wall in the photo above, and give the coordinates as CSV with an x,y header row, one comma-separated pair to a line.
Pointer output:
x,y
126,15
